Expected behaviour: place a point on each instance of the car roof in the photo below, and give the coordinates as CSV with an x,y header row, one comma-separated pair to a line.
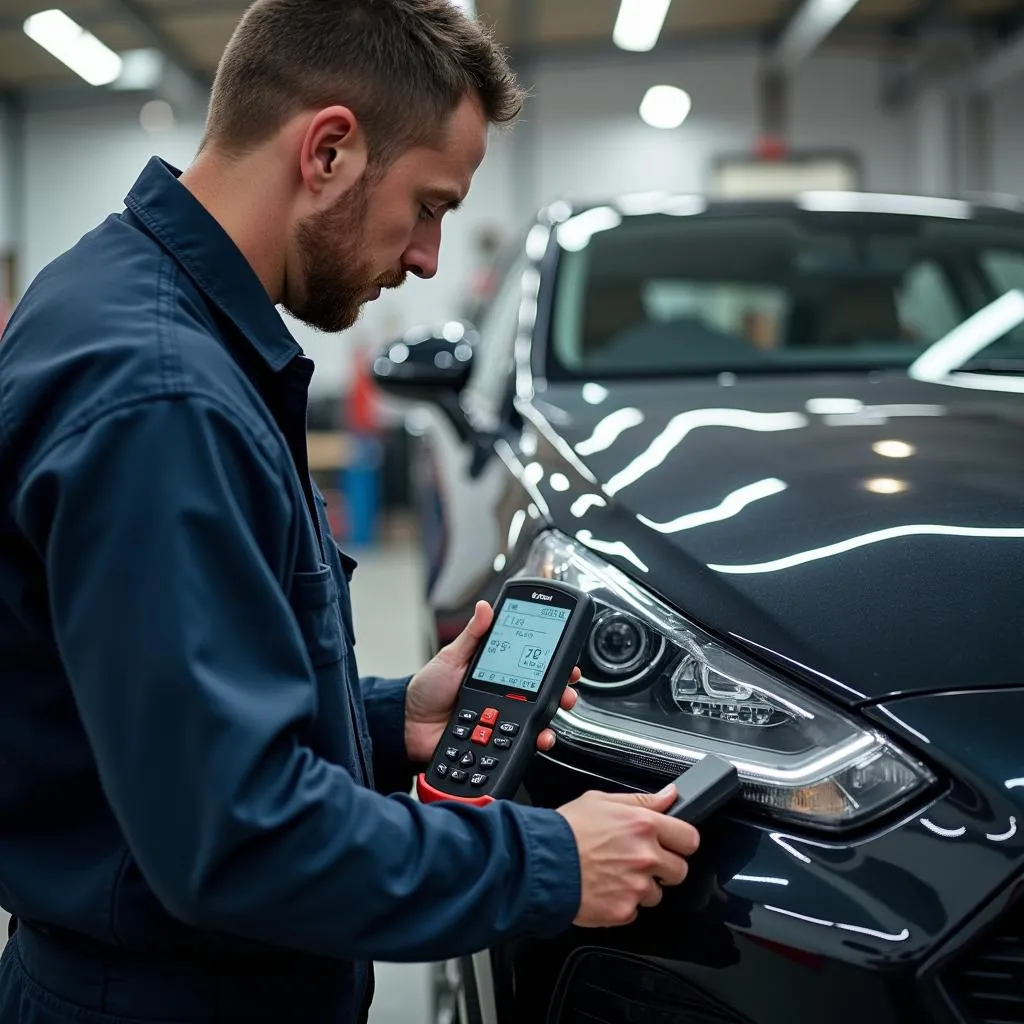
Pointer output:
x,y
988,208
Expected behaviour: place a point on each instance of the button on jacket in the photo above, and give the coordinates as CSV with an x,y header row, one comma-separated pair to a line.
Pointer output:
x,y
188,756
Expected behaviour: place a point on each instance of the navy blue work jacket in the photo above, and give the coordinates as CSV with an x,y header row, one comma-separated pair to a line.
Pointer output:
x,y
194,780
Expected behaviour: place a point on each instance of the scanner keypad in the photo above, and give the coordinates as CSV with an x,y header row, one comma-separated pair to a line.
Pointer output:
x,y
459,763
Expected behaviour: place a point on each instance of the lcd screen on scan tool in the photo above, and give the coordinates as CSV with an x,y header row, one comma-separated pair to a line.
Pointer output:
x,y
521,645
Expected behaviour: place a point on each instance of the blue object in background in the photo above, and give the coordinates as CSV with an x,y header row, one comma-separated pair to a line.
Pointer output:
x,y
361,487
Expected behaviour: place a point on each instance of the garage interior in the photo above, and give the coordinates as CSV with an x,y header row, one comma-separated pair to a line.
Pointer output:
x,y
889,97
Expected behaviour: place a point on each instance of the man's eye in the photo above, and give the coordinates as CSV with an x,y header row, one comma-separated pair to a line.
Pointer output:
x,y
426,213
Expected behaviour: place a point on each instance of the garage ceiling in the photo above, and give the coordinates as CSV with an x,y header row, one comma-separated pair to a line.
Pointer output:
x,y
197,30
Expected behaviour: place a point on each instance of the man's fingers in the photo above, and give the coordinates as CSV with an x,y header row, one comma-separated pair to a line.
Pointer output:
x,y
678,836
653,896
569,698
671,869
546,740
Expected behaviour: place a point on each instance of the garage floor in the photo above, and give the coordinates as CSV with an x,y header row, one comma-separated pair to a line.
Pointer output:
x,y
386,598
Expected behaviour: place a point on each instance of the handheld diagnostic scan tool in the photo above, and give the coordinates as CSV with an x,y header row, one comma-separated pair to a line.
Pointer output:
x,y
511,692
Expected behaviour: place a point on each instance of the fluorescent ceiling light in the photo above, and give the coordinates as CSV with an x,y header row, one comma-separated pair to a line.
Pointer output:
x,y
809,27
81,51
665,106
141,70
639,24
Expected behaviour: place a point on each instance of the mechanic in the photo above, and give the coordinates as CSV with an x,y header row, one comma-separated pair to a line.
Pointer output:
x,y
205,810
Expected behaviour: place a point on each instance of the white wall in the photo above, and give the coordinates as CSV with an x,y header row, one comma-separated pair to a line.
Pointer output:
x,y
65,198
592,143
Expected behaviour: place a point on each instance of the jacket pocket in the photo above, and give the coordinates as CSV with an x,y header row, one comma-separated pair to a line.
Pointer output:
x,y
314,599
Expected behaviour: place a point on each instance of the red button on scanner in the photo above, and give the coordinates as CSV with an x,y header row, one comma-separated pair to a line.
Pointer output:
x,y
481,735
489,717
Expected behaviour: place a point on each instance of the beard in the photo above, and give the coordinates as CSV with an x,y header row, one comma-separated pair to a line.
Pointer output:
x,y
337,278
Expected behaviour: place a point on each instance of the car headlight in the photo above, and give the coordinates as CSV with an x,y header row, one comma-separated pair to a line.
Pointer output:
x,y
658,693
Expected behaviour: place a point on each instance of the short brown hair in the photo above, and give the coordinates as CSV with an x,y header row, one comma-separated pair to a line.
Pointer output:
x,y
402,66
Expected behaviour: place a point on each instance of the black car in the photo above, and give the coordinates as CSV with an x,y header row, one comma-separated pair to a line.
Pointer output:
x,y
782,444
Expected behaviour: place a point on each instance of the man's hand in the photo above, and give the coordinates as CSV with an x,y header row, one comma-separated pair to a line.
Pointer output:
x,y
629,849
430,698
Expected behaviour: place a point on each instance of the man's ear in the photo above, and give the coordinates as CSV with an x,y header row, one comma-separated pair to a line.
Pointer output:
x,y
334,154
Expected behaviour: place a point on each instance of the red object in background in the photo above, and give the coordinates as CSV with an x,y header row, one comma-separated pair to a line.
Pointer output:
x,y
770,147
362,398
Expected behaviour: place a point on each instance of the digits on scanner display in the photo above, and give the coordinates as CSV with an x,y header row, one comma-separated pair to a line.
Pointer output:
x,y
521,645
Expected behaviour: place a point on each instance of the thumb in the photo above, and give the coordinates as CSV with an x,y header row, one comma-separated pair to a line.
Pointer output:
x,y
462,648
660,801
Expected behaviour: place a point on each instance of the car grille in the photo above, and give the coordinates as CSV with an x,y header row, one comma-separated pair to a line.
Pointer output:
x,y
988,982
610,988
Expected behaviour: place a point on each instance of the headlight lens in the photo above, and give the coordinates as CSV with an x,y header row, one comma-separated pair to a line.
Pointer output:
x,y
658,693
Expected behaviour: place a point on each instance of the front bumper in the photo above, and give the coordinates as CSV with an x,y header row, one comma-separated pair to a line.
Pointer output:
x,y
917,922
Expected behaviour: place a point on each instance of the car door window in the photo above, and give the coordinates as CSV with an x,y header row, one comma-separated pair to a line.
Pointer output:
x,y
926,304
1006,270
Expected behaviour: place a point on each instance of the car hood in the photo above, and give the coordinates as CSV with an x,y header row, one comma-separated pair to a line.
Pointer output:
x,y
866,532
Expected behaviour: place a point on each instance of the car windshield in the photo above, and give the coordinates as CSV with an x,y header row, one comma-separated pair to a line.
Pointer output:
x,y
789,290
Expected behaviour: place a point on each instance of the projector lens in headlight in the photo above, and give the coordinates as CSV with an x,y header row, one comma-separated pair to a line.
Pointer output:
x,y
620,650
658,693
617,644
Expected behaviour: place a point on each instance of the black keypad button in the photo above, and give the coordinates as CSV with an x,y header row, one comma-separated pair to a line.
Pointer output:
x,y
502,742
467,716
488,763
461,732
457,775
479,779
452,753
508,728
467,760
442,770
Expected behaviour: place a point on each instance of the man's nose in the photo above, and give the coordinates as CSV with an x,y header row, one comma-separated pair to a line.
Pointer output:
x,y
423,254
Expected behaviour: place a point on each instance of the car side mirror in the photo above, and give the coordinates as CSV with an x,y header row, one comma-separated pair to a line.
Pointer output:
x,y
430,365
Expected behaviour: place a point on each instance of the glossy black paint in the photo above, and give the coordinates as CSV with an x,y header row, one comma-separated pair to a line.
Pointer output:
x,y
893,511
927,609
777,925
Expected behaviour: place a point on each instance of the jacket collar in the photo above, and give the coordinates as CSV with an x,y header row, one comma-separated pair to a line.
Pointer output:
x,y
204,249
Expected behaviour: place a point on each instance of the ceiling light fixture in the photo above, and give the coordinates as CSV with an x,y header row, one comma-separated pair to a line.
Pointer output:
x,y
157,117
639,24
81,51
810,26
665,106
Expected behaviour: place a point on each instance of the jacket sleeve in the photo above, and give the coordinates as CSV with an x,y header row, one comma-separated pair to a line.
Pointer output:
x,y
384,700
164,527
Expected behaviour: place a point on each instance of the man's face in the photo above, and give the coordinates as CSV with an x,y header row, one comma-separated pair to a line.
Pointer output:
x,y
387,226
